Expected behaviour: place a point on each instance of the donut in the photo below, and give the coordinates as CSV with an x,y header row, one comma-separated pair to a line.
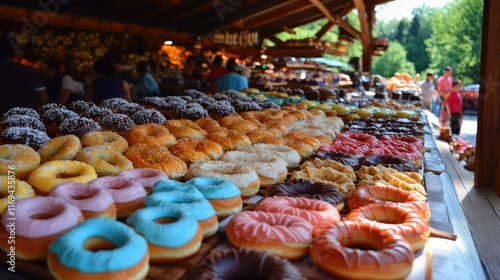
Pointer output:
x,y
185,129
220,109
39,221
243,127
289,155
319,213
308,189
92,202
80,106
412,140
77,126
53,173
176,186
305,138
25,136
349,147
245,264
397,218
222,194
53,118
406,152
340,157
283,235
387,194
147,177
150,134
148,116
47,107
105,160
357,250
107,138
12,190
390,161
101,248
200,208
178,238
97,114
127,195
23,121
118,123
18,160
20,111
194,111
318,163
60,148
364,138
242,176
229,139
187,152
207,124
129,109
327,175
157,157
269,168
113,103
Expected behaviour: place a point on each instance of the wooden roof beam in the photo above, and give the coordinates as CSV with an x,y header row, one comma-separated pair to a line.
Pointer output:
x,y
365,26
329,25
336,18
275,40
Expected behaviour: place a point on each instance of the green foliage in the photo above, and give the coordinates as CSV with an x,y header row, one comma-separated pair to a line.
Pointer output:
x,y
393,60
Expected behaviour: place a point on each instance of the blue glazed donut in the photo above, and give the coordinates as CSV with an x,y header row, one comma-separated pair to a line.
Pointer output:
x,y
200,208
215,188
173,185
170,241
130,258
221,193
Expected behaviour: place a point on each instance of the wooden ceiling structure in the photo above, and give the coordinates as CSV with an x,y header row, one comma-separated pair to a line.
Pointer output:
x,y
185,21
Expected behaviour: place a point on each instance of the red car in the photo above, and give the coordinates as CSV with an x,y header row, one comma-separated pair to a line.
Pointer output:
x,y
470,96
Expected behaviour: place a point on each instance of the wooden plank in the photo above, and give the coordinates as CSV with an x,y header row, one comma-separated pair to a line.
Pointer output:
x,y
480,209
327,27
365,27
487,163
336,18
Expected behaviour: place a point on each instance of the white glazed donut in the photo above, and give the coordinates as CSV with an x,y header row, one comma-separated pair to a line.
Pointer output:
x,y
269,168
289,155
241,175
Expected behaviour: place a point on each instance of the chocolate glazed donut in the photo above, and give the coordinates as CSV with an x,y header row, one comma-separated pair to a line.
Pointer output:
x,y
343,158
308,189
398,163
244,264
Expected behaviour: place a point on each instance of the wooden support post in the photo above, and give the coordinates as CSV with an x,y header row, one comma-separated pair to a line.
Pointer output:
x,y
366,19
487,161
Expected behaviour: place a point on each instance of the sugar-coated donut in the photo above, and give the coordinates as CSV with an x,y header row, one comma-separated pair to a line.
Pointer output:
x,y
128,195
92,202
177,239
105,160
13,190
308,189
200,208
53,173
40,220
185,129
147,177
222,194
269,168
289,155
242,176
368,194
150,134
400,219
327,175
176,186
99,248
60,148
361,250
19,159
244,264
283,235
319,213
157,157
107,138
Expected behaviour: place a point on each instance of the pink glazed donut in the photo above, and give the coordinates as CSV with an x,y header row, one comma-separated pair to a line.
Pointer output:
x,y
93,202
36,222
147,177
128,195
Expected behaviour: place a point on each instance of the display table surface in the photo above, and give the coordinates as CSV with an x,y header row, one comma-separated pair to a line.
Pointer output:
x,y
440,259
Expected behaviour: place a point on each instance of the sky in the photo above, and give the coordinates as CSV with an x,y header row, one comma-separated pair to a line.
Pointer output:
x,y
402,8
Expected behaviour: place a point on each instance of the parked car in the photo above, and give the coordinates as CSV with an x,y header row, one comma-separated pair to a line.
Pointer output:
x,y
470,96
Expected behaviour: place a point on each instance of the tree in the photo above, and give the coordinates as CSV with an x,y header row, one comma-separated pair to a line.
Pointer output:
x,y
392,61
419,31
456,39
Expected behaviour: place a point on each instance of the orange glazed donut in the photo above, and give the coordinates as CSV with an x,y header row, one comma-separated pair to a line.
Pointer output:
x,y
207,124
150,134
319,213
157,157
392,216
386,194
19,159
361,250
187,152
108,138
60,148
229,139
283,235
105,160
210,149
185,129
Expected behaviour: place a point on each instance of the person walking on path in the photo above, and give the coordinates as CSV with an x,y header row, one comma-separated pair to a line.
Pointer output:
x,y
444,85
455,105
428,91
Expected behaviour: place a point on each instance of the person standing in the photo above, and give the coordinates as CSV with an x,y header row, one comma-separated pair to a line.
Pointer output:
x,y
216,71
146,84
444,84
231,80
107,84
455,104
21,85
62,88
428,91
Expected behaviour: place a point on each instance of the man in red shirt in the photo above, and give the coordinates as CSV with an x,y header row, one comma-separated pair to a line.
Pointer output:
x,y
455,105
